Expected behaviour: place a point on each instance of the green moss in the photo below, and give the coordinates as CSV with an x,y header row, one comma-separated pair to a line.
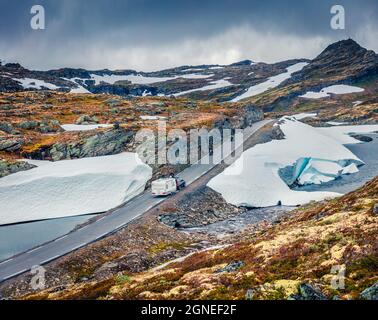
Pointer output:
x,y
162,246
329,221
333,238
368,263
221,293
277,294
122,279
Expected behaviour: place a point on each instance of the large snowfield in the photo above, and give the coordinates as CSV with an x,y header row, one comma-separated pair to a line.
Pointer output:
x,y
272,82
315,156
71,187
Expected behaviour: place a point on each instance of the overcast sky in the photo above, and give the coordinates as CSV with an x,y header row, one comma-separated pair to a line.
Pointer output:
x,y
155,34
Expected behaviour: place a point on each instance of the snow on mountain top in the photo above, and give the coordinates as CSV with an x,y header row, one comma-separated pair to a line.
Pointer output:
x,y
272,82
317,155
74,187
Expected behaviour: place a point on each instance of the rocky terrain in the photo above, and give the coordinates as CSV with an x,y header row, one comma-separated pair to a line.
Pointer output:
x,y
178,250
289,259
31,122
128,83
344,62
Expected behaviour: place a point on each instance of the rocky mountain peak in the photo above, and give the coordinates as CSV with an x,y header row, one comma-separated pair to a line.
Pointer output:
x,y
344,48
343,60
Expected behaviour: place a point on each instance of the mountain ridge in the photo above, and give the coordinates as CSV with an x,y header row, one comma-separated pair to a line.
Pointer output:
x,y
342,62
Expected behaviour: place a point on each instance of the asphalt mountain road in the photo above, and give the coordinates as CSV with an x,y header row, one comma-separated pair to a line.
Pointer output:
x,y
103,226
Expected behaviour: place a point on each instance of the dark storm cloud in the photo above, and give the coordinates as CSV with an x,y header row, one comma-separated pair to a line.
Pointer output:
x,y
151,34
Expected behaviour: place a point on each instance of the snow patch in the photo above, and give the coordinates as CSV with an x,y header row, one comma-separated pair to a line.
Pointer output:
x,y
71,187
82,127
79,89
272,82
336,89
218,84
152,118
29,83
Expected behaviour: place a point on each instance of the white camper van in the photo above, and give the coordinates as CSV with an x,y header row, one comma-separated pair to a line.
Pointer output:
x,y
167,186
164,187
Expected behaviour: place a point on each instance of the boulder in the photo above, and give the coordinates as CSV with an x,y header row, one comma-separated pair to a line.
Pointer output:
x,y
370,293
6,127
86,119
7,168
231,267
28,125
49,126
10,145
308,292
362,138
375,209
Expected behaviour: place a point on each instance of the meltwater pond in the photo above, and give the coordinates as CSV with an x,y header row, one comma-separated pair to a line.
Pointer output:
x,y
21,237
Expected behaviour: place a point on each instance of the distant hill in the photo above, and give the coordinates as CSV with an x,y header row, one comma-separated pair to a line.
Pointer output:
x,y
270,86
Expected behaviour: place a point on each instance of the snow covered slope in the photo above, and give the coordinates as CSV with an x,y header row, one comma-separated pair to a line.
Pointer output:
x,y
71,187
314,157
29,83
223,83
336,89
271,82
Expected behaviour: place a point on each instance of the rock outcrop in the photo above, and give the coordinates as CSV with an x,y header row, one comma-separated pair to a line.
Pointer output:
x,y
85,120
308,292
370,293
199,208
10,144
102,144
7,168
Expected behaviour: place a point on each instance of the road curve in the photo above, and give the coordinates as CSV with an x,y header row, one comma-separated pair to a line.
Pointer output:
x,y
102,227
